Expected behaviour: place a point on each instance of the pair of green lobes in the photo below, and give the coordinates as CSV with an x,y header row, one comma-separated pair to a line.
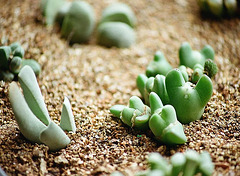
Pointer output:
x,y
116,26
76,18
77,21
189,163
11,61
219,7
188,100
32,116
160,119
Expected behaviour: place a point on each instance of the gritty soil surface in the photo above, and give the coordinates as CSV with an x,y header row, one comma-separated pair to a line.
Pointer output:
x,y
95,78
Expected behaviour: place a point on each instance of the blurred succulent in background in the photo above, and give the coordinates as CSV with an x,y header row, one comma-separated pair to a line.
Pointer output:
x,y
76,18
116,26
32,116
78,22
11,62
190,58
219,8
189,163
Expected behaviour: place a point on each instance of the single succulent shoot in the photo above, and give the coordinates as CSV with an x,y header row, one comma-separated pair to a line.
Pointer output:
x,y
6,76
50,9
190,58
188,101
79,22
116,110
5,52
183,70
206,166
210,68
155,103
115,34
148,89
208,52
141,82
15,63
164,124
231,6
67,119
192,163
136,114
19,51
14,46
63,10
119,12
157,162
159,65
32,94
197,73
178,161
216,7
29,125
54,137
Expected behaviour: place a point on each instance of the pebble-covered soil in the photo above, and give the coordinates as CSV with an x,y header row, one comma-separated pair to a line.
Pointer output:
x,y
95,78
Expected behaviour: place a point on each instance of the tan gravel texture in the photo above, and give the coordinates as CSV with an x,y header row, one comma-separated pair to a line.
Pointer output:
x,y
95,78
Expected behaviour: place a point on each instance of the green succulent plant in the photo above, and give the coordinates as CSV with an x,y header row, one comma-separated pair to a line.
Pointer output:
x,y
219,8
210,68
116,34
188,101
189,163
79,22
163,122
11,62
50,9
190,58
197,73
161,119
159,65
135,115
119,12
31,113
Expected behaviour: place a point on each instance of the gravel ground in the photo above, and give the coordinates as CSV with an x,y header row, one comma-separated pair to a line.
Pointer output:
x,y
95,78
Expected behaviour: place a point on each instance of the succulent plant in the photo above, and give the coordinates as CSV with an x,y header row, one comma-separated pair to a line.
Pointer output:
x,y
135,115
219,8
188,101
147,85
210,68
116,34
161,119
197,73
63,10
67,119
159,65
187,164
163,122
31,113
119,12
11,61
190,58
78,23
50,9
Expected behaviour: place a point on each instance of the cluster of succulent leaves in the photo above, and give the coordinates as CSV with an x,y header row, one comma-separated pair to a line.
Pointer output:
x,y
219,8
12,60
189,163
76,18
32,116
77,21
161,120
187,94
116,26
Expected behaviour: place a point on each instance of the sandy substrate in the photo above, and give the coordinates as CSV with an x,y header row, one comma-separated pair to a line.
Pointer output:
x,y
95,78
